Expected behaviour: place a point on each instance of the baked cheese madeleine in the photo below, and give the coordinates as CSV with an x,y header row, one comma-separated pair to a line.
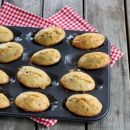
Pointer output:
x,y
4,101
94,60
50,36
32,101
6,34
78,81
84,105
4,78
33,77
88,41
46,57
10,51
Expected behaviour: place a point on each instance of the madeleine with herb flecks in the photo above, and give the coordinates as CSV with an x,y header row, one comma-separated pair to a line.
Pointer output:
x,y
88,41
84,105
33,77
10,51
4,101
50,36
6,34
94,60
32,101
46,57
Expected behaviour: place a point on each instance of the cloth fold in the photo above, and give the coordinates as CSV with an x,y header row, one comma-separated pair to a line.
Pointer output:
x,y
67,18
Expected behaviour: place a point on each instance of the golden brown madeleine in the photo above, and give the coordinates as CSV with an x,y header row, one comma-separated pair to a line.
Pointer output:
x,y
6,34
46,57
78,81
94,60
50,36
10,51
4,101
32,101
33,77
84,105
88,41
4,78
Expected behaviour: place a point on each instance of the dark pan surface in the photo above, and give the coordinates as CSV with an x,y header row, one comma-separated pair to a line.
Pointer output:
x,y
56,94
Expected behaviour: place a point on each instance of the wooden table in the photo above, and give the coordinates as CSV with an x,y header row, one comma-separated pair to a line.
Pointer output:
x,y
111,17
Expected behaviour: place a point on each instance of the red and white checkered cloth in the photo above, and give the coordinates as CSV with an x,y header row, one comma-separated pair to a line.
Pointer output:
x,y
66,18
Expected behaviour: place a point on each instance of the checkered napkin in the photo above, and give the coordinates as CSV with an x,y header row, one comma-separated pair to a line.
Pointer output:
x,y
66,18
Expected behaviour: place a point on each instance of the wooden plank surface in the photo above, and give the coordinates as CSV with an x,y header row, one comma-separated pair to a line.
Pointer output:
x,y
127,9
50,8
63,125
108,16
0,2
34,6
13,123
53,6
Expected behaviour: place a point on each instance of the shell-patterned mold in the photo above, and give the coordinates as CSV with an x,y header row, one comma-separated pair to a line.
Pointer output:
x,y
6,34
78,81
33,77
50,36
10,51
94,60
46,57
32,101
88,41
84,105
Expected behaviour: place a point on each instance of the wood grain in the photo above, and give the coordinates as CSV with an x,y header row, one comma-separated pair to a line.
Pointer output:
x,y
13,123
63,125
0,2
108,16
127,9
34,6
53,6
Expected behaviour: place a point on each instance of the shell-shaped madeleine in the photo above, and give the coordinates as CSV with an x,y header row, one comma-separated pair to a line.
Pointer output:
x,y
4,78
78,81
32,101
84,105
88,41
46,57
94,60
33,77
4,101
6,34
50,36
10,51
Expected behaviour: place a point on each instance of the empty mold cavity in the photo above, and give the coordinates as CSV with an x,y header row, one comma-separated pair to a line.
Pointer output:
x,y
17,35
70,37
53,102
72,59
54,79
29,36
98,82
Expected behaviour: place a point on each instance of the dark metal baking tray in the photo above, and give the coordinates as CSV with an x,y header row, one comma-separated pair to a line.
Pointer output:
x,y
56,94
